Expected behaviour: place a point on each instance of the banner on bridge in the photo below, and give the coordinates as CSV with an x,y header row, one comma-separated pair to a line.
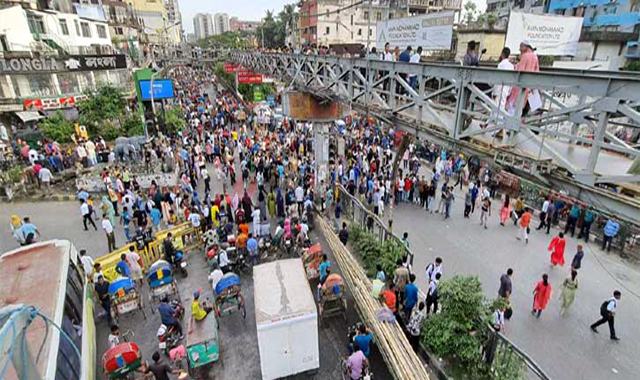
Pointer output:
x,y
431,31
549,35
246,76
230,68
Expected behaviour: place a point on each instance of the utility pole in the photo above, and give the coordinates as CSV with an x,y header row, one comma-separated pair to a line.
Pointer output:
x,y
369,28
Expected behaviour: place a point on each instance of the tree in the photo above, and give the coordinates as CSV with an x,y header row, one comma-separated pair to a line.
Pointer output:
x,y
470,11
106,103
492,19
57,128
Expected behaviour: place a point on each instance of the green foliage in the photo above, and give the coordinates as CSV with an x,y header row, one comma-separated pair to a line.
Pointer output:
x,y
174,120
133,125
507,367
109,130
57,128
371,252
14,173
106,103
491,19
272,32
470,12
231,40
632,66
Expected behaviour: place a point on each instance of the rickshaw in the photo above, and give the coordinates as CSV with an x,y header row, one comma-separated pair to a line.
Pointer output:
x,y
332,300
203,346
121,361
125,298
311,258
228,296
161,282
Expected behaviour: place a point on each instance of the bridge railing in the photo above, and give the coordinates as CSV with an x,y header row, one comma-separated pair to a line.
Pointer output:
x,y
467,103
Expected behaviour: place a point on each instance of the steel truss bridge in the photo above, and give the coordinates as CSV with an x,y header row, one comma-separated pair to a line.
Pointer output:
x,y
570,142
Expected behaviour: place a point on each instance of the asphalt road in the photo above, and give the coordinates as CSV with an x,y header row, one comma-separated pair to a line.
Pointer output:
x,y
238,337
563,346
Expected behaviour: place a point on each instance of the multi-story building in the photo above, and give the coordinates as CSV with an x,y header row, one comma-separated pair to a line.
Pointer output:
x,y
236,25
48,59
502,8
124,27
221,23
174,21
191,38
308,22
152,16
203,26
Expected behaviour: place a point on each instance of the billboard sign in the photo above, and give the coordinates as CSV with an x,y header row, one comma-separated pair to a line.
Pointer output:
x,y
230,68
162,89
257,94
431,31
246,76
549,35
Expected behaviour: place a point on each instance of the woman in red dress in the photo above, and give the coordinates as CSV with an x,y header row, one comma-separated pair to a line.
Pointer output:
x,y
541,295
557,250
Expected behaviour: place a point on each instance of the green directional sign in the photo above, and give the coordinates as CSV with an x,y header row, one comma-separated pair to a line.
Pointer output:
x,y
257,94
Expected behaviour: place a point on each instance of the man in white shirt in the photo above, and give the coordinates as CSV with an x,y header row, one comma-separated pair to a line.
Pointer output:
x,y
433,269
608,312
543,214
501,92
87,262
45,179
215,276
194,218
299,192
415,58
85,211
108,230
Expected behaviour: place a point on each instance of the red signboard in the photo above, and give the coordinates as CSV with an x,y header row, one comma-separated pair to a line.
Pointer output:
x,y
33,104
250,79
67,102
230,68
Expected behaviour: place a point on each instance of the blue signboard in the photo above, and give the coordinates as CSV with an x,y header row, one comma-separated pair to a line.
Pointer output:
x,y
162,89
271,99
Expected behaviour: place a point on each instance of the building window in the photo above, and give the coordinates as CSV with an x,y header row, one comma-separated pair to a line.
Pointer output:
x,y
36,25
119,31
360,31
77,27
63,27
351,19
86,30
327,31
390,16
366,15
327,13
370,32
378,16
102,31
41,85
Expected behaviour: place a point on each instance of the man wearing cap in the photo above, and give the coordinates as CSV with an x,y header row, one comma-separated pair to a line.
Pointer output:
x,y
198,311
528,62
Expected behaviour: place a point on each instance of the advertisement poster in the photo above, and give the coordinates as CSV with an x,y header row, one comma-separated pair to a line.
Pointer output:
x,y
431,31
549,35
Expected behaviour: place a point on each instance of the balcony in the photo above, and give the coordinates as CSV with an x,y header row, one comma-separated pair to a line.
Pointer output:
x,y
633,50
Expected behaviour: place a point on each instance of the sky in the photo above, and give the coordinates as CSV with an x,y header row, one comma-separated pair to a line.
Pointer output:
x,y
252,10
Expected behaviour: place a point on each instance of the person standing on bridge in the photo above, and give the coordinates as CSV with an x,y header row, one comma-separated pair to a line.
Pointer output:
x,y
528,62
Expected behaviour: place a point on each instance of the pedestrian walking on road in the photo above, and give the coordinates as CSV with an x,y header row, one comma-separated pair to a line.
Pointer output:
x,y
85,211
525,222
432,293
576,263
415,326
587,221
556,247
608,312
572,220
541,295
485,212
505,210
568,293
543,214
108,230
610,231
505,285
433,268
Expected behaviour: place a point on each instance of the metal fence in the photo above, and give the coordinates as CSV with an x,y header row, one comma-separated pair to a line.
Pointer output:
x,y
498,350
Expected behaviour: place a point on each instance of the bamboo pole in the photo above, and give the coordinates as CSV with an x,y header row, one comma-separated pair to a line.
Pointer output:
x,y
402,361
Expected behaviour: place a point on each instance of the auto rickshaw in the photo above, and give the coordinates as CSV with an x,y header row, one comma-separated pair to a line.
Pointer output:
x,y
161,283
125,298
228,296
332,300
121,361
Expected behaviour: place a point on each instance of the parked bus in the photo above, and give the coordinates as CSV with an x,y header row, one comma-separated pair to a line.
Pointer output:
x,y
48,275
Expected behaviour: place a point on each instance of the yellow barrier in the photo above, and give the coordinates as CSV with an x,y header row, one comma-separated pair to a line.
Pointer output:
x,y
185,238
109,261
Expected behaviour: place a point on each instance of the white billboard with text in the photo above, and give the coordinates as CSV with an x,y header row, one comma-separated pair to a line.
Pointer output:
x,y
431,31
549,35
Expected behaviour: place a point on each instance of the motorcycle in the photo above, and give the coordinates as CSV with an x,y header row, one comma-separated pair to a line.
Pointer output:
x,y
168,336
239,264
264,246
180,263
288,244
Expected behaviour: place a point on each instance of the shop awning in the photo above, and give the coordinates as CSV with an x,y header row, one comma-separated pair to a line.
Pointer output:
x,y
27,116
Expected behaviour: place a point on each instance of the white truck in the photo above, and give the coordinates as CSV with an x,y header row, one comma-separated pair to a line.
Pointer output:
x,y
286,319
